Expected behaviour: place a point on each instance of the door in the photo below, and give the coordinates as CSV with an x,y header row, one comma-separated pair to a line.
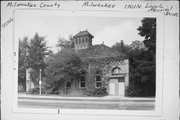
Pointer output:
x,y
121,84
112,88
121,88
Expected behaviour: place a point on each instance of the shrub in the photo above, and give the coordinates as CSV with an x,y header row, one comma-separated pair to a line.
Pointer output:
x,y
90,92
102,91
99,92
132,91
36,91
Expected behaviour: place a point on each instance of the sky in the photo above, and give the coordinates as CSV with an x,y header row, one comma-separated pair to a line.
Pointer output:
x,y
107,30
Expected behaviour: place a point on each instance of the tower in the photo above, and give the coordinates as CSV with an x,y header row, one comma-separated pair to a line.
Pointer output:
x,y
82,40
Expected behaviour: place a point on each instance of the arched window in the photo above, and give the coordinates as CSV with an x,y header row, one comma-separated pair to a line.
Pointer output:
x,y
82,82
116,71
98,79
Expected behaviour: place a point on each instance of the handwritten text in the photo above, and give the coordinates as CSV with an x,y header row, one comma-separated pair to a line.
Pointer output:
x,y
34,5
92,4
138,6
7,22
168,10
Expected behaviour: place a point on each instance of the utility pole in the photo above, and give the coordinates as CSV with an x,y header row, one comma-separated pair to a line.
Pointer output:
x,y
28,79
40,82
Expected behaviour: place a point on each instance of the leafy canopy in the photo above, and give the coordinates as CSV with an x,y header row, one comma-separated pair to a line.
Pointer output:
x,y
63,67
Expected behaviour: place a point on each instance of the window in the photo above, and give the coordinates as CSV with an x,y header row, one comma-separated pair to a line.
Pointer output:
x,y
116,71
77,40
81,40
121,79
98,79
82,82
68,85
87,40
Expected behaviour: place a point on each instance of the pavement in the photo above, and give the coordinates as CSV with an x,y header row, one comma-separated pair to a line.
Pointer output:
x,y
86,98
107,102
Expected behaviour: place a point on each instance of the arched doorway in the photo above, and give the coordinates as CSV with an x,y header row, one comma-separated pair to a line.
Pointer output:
x,y
116,83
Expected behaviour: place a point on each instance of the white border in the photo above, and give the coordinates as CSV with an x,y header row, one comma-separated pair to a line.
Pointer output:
x,y
159,67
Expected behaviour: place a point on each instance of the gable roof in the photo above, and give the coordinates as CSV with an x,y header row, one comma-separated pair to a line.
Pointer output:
x,y
99,51
83,33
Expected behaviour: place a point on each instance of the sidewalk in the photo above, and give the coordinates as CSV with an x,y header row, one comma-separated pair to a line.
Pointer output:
x,y
84,98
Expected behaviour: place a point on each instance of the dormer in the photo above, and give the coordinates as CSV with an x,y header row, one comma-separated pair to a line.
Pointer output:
x,y
82,40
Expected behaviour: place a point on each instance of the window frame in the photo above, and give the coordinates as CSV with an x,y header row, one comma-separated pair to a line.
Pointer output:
x,y
80,80
96,82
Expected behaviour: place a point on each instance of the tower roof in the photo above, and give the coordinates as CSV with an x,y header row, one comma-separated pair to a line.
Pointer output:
x,y
83,33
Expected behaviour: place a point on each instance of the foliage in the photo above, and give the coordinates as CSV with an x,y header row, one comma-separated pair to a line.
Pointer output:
x,y
143,71
62,68
127,49
133,91
121,49
36,91
137,45
65,43
98,92
22,62
37,51
102,91
147,68
148,31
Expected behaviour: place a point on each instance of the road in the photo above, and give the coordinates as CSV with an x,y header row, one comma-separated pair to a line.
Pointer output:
x,y
85,103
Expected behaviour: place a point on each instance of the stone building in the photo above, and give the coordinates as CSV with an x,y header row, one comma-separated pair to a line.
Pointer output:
x,y
103,67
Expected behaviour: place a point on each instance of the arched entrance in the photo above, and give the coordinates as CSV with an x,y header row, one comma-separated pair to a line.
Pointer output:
x,y
117,82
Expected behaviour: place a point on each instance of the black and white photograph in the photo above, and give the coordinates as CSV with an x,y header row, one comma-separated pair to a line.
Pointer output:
x,y
86,62
89,60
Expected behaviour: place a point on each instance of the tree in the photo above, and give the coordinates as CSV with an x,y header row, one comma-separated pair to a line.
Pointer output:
x,y
37,50
22,62
147,68
65,43
63,67
143,67
121,47
137,45
127,49
148,31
